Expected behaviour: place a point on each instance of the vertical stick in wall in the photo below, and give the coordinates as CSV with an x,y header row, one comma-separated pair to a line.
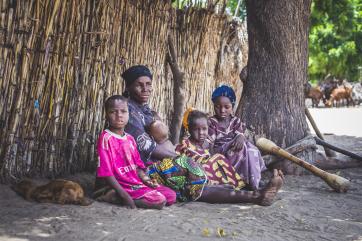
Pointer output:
x,y
178,91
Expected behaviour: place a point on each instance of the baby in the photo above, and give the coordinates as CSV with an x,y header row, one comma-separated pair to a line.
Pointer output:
x,y
159,131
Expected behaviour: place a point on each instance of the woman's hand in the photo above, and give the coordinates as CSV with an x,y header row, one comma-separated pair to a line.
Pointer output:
x,y
238,143
164,150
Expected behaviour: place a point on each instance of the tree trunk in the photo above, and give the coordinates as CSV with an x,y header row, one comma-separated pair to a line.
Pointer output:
x,y
273,101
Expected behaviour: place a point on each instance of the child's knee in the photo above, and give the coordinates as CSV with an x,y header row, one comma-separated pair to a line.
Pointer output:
x,y
170,198
161,202
155,200
169,195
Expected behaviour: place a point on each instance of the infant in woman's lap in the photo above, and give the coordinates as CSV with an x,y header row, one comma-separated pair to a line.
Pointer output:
x,y
159,131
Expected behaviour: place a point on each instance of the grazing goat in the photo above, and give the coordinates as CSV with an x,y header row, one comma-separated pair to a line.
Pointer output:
x,y
313,93
327,87
339,94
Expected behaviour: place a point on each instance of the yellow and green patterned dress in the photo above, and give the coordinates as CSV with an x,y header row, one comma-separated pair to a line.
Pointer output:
x,y
217,168
181,174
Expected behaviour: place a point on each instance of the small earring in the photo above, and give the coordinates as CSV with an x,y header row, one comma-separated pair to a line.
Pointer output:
x,y
126,93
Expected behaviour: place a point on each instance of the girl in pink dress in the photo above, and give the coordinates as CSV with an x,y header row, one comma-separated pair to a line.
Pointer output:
x,y
120,167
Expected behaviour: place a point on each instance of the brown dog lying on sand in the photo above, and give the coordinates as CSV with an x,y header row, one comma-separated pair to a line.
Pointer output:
x,y
56,191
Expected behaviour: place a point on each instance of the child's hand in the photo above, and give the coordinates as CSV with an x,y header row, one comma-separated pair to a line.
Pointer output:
x,y
151,183
206,145
130,204
210,147
128,201
146,179
238,143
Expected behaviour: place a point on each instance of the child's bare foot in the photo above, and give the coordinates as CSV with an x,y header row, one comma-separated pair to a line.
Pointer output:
x,y
270,191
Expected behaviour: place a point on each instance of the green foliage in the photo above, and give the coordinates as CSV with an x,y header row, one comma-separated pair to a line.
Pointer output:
x,y
335,40
232,5
188,3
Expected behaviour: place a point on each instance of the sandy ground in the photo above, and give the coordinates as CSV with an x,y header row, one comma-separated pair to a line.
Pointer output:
x,y
339,121
305,209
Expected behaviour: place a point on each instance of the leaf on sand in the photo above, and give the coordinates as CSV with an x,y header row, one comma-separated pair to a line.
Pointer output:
x,y
221,232
206,232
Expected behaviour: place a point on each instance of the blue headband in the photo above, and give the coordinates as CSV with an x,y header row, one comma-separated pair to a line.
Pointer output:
x,y
226,91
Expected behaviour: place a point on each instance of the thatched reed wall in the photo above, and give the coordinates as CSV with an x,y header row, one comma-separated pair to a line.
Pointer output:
x,y
59,60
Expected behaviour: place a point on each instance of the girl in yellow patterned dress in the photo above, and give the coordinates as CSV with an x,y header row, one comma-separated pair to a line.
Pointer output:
x,y
216,167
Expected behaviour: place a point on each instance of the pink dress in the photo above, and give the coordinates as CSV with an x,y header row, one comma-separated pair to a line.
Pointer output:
x,y
119,157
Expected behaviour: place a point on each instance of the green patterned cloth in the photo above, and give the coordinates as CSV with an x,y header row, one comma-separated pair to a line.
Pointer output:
x,y
181,174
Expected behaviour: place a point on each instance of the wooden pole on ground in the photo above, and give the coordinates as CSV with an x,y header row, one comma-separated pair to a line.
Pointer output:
x,y
325,144
328,151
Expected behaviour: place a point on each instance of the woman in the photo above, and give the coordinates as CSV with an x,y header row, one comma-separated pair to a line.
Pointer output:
x,y
138,81
178,172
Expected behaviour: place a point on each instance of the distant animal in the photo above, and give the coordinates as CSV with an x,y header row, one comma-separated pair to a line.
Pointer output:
x,y
338,95
357,93
56,191
313,93
327,86
345,83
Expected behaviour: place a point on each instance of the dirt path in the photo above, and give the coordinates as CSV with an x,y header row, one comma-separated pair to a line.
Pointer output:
x,y
307,210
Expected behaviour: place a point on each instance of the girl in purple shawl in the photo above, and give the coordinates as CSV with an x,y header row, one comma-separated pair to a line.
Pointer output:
x,y
226,136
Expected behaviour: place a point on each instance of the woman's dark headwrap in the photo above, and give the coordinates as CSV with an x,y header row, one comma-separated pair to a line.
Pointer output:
x,y
134,72
226,91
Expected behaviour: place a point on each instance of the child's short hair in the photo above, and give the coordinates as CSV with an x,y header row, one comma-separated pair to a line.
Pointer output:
x,y
195,115
112,98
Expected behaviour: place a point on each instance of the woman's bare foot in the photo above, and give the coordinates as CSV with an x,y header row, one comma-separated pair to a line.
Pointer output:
x,y
270,191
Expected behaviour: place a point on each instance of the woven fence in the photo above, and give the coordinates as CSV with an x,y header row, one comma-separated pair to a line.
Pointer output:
x,y
59,61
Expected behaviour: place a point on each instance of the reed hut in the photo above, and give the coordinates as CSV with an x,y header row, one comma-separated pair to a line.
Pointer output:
x,y
59,61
